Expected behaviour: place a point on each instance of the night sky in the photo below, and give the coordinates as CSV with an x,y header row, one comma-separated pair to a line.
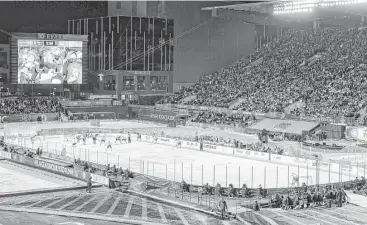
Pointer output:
x,y
51,16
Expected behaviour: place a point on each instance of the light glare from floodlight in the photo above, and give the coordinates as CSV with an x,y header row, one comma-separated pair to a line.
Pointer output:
x,y
308,5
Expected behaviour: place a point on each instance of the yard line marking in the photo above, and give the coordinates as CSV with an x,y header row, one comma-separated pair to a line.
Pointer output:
x,y
287,217
267,219
200,218
351,210
129,205
36,203
225,222
85,203
24,201
346,214
181,216
99,204
312,217
54,203
71,202
345,221
113,206
144,213
161,212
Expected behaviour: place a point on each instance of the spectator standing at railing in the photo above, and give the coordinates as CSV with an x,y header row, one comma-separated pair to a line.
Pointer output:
x,y
89,184
339,198
223,208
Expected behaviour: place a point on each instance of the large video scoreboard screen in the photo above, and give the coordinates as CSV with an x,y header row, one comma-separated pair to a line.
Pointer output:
x,y
49,62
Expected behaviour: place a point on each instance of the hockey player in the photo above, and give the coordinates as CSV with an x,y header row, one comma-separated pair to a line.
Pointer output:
x,y
78,138
103,140
128,137
94,138
138,137
89,185
118,138
84,139
123,139
109,146
178,143
33,138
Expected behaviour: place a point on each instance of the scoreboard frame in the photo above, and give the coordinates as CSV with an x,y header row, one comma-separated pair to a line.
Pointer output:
x,y
42,37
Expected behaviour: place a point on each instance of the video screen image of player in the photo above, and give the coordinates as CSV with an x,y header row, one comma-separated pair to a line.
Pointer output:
x,y
56,64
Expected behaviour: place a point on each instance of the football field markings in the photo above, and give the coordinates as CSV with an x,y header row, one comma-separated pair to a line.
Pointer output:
x,y
161,213
114,205
129,205
85,203
71,202
99,204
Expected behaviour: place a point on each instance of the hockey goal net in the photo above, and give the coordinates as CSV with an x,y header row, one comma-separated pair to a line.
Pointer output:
x,y
299,180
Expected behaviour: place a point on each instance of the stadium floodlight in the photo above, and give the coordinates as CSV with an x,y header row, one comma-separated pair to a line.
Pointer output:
x,y
308,5
100,77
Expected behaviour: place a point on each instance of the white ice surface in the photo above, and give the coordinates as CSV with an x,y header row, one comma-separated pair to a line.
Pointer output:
x,y
175,164
193,166
15,178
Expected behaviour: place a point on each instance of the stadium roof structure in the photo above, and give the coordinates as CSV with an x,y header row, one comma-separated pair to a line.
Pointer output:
x,y
293,13
250,6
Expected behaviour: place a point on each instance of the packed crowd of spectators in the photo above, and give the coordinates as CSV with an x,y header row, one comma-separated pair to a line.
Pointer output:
x,y
22,105
325,69
223,118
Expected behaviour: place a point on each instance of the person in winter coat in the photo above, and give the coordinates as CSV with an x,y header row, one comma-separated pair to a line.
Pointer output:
x,y
89,185
339,198
223,208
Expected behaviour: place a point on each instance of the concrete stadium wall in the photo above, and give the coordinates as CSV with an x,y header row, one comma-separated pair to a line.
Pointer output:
x,y
205,50
210,47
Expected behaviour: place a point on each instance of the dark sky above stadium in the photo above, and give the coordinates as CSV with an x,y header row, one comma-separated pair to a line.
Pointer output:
x,y
27,16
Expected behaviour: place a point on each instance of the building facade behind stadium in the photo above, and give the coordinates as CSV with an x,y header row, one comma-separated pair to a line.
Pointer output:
x,y
194,42
145,49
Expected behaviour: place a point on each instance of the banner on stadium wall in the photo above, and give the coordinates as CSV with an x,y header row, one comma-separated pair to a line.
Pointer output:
x,y
20,158
157,115
88,103
80,174
163,140
99,179
15,157
356,133
190,145
211,148
94,116
225,150
54,167
6,155
251,154
28,117
26,160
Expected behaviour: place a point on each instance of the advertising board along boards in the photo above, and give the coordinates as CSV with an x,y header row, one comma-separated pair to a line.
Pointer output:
x,y
158,115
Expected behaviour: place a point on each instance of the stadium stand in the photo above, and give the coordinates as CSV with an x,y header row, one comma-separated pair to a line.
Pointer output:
x,y
324,69
22,105
222,118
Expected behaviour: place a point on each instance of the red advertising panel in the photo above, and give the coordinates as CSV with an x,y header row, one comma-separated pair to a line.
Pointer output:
x,y
157,115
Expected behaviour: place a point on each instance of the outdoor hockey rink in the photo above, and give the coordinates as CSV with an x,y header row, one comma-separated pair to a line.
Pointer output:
x,y
176,163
